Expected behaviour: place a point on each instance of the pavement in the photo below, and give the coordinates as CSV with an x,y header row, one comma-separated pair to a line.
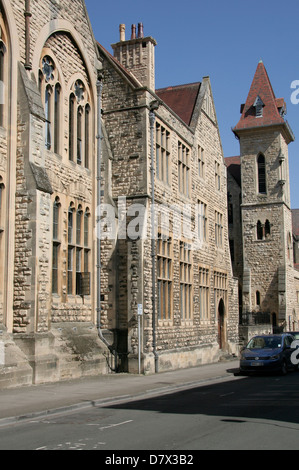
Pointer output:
x,y
20,404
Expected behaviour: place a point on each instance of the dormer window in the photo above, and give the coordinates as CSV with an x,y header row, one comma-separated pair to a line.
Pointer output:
x,y
259,105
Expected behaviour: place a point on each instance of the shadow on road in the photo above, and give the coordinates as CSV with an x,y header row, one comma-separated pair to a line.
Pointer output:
x,y
262,397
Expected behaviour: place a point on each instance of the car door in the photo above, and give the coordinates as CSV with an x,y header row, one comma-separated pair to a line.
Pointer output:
x,y
287,342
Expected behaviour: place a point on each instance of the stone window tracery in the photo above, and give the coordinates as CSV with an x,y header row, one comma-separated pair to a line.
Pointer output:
x,y
79,124
50,89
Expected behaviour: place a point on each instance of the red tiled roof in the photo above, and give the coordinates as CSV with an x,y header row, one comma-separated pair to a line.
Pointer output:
x,y
234,167
181,99
261,87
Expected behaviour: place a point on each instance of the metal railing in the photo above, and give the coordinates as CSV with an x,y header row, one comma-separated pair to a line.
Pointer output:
x,y
255,318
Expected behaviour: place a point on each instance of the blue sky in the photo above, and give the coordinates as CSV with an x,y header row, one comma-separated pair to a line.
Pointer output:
x,y
222,39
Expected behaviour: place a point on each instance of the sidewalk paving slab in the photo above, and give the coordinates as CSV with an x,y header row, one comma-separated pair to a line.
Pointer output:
x,y
42,400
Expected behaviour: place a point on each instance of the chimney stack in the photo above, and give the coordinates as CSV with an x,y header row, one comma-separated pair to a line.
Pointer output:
x,y
133,36
122,32
140,31
137,54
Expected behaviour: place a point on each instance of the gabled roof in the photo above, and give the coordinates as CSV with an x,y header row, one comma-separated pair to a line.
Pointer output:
x,y
233,165
261,88
181,99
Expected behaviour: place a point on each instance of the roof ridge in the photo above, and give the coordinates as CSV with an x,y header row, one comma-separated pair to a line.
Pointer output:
x,y
171,87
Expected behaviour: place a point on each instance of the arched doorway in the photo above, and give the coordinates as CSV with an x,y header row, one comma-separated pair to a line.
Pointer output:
x,y
221,330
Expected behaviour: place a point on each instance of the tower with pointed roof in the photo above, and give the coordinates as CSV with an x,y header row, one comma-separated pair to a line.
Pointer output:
x,y
267,281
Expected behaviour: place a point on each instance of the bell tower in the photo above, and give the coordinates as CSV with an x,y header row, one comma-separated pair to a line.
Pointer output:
x,y
264,136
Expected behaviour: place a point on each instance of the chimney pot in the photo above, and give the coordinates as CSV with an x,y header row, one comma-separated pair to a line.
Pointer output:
x,y
122,32
133,36
140,30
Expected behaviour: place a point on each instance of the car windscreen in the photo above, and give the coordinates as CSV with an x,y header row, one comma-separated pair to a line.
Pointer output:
x,y
265,343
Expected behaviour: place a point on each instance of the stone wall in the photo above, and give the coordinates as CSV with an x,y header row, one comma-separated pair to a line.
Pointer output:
x,y
129,138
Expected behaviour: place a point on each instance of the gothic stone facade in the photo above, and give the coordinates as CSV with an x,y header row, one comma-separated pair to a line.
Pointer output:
x,y
70,107
49,66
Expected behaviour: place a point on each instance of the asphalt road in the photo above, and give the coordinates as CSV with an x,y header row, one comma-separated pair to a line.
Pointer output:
x,y
250,413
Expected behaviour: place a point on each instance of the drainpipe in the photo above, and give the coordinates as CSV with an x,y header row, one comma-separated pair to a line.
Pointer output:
x,y
28,16
153,107
98,221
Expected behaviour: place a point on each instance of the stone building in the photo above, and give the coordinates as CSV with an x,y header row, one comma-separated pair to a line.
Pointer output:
x,y
86,288
49,69
261,224
172,133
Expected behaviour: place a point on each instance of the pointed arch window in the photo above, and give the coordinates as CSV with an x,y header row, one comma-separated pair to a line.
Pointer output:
x,y
50,89
57,107
79,226
259,231
263,231
48,106
261,166
79,135
71,126
267,228
258,298
79,125
70,223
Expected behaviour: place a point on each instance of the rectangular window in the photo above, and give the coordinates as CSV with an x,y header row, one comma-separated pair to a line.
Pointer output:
x,y
217,176
70,267
184,169
70,225
218,229
186,290
56,247
204,293
164,275
78,251
78,270
162,154
201,162
202,221
55,268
